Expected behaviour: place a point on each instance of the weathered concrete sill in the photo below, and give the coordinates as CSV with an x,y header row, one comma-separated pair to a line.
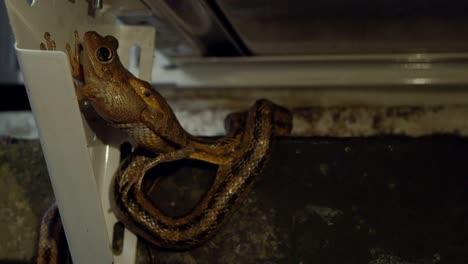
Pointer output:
x,y
322,200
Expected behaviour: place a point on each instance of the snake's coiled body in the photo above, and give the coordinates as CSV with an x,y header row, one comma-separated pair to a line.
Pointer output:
x,y
131,105
52,246
249,152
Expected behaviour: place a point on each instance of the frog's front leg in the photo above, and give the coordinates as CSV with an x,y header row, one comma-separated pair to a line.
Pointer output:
x,y
74,56
84,92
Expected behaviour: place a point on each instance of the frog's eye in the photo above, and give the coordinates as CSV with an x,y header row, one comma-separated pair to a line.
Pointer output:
x,y
104,54
146,92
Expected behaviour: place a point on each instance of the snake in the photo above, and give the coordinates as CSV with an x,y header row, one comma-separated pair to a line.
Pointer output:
x,y
255,130
259,127
52,244
131,105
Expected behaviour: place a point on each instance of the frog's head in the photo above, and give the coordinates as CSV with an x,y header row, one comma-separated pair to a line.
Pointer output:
x,y
117,100
100,56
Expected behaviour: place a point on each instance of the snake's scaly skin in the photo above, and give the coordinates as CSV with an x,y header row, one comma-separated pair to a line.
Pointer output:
x,y
132,105
52,246
256,129
255,132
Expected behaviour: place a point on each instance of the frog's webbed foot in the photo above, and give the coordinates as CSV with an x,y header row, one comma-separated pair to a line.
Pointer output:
x,y
49,43
74,56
